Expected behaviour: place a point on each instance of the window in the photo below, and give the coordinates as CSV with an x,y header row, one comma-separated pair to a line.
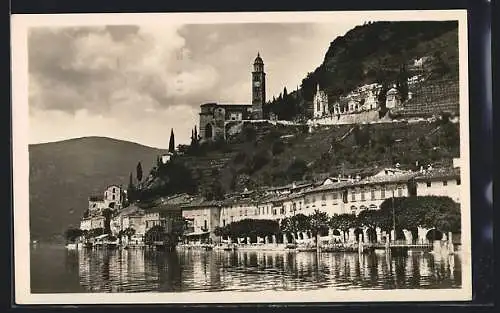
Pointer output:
x,y
205,224
335,195
445,183
353,196
400,192
458,181
113,197
382,192
323,197
429,184
373,194
223,222
362,195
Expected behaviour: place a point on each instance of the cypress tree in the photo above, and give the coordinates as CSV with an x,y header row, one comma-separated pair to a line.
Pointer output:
x,y
171,144
139,171
130,189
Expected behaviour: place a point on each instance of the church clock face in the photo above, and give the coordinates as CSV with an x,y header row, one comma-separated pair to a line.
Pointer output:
x,y
256,84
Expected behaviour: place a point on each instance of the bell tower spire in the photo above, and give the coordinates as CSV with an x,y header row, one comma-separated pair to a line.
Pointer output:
x,y
258,87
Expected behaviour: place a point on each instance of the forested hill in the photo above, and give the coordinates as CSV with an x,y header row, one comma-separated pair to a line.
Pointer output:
x,y
375,52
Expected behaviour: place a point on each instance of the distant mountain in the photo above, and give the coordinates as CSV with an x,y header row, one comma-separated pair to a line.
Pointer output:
x,y
63,174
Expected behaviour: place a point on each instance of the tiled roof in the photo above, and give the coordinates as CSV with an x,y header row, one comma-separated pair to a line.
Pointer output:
x,y
201,202
439,173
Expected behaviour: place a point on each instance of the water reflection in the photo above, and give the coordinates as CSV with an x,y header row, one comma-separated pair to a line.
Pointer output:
x,y
139,270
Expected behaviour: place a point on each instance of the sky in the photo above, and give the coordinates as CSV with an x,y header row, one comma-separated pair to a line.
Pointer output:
x,y
136,82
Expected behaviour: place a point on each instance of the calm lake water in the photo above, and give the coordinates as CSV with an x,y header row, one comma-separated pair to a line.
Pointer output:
x,y
55,269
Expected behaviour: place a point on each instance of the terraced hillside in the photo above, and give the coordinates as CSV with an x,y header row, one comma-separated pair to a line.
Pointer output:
x,y
432,99
278,155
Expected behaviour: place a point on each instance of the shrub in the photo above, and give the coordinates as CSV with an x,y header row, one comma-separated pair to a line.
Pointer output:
x,y
278,147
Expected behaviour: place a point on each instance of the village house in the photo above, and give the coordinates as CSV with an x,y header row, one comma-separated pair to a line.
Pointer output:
x,y
202,217
96,204
113,197
439,182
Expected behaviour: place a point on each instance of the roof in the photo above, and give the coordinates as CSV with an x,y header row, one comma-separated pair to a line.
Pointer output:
x,y
112,185
227,105
438,173
197,233
201,202
258,59
131,209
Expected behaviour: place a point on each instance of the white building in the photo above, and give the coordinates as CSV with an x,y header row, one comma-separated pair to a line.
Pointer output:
x,y
320,103
113,197
393,99
439,182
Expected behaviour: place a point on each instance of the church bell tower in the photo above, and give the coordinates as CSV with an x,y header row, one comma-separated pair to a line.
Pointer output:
x,y
258,88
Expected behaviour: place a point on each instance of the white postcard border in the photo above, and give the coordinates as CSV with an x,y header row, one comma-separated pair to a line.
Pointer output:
x,y
20,128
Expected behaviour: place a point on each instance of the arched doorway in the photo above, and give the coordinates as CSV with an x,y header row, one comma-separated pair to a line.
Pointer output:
x,y
208,131
372,235
433,235
414,234
400,235
357,232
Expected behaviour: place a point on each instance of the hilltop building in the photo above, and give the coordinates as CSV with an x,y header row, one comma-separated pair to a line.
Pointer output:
x,y
214,116
320,103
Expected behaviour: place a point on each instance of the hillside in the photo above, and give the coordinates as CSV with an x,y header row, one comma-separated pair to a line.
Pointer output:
x,y
375,53
63,174
271,155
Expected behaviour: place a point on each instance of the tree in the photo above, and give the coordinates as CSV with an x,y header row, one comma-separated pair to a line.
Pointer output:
x,y
402,83
72,234
219,232
289,225
107,213
296,170
155,233
139,171
422,211
129,232
86,213
171,143
343,222
131,191
318,223
301,221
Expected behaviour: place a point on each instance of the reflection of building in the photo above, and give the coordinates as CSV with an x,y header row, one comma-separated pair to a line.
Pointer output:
x,y
214,116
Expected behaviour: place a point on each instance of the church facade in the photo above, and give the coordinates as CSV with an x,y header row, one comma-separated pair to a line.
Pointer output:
x,y
214,116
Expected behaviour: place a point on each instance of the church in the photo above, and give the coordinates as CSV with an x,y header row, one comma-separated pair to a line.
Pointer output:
x,y
214,116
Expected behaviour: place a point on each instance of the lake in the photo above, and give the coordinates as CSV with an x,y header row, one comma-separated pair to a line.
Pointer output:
x,y
57,270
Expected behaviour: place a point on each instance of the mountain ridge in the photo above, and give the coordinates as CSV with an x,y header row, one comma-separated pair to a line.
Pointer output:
x,y
63,174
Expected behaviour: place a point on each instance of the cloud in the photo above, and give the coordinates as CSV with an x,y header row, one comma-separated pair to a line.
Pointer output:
x,y
127,72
